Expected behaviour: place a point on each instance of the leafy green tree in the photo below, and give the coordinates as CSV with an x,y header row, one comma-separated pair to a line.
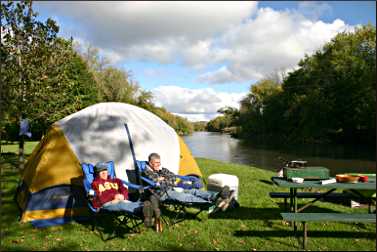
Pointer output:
x,y
114,85
259,109
200,126
45,79
144,99
181,125
229,118
332,95
232,114
22,38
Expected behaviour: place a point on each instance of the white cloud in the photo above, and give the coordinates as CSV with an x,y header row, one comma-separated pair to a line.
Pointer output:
x,y
194,104
246,42
273,41
219,76
122,25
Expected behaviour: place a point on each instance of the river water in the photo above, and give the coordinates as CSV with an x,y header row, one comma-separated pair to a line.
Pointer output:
x,y
338,158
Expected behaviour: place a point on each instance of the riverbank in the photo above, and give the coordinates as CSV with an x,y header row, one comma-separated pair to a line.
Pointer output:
x,y
255,225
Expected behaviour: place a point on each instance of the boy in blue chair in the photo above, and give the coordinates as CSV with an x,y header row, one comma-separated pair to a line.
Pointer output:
x,y
112,195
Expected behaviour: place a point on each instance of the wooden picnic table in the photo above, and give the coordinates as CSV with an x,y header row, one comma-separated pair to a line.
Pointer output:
x,y
354,187
296,214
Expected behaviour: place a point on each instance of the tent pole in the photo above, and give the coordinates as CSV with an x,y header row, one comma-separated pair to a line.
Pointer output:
x,y
137,174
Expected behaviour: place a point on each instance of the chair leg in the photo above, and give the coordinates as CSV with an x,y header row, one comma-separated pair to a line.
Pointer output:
x,y
369,207
93,223
305,234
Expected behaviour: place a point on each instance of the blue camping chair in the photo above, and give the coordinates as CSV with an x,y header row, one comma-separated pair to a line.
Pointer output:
x,y
186,182
122,219
179,208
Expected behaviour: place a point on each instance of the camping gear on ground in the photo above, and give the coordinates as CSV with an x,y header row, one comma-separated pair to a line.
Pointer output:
x,y
217,181
291,164
296,163
307,173
51,191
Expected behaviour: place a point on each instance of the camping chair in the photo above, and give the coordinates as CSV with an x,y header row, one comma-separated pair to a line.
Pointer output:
x,y
122,219
179,208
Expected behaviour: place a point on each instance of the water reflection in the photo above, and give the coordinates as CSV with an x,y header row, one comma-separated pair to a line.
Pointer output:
x,y
335,157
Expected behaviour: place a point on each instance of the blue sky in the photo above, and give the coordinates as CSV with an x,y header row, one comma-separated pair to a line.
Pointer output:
x,y
196,57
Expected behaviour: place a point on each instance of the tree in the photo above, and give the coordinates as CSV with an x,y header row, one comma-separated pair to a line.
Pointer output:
x,y
113,85
200,126
181,125
45,79
25,42
333,92
259,109
330,97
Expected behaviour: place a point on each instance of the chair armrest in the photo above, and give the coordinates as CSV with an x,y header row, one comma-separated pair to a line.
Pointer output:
x,y
134,186
149,181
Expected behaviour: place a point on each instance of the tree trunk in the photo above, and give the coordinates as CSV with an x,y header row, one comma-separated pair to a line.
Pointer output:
x,y
21,154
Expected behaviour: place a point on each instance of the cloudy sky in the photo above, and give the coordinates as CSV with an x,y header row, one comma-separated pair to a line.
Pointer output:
x,y
197,57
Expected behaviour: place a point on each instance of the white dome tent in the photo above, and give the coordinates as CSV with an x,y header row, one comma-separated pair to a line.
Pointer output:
x,y
94,134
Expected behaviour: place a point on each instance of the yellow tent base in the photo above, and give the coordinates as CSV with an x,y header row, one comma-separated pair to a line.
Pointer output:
x,y
53,213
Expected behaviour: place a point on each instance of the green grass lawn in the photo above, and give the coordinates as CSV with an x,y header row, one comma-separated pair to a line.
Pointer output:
x,y
255,225
13,147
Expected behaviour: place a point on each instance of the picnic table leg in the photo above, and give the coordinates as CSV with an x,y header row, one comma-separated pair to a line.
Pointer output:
x,y
291,200
295,199
305,234
295,207
291,205
312,202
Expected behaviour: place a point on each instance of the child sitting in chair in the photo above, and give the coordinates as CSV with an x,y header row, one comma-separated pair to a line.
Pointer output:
x,y
112,195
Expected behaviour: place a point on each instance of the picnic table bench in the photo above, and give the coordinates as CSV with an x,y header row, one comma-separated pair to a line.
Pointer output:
x,y
318,217
332,197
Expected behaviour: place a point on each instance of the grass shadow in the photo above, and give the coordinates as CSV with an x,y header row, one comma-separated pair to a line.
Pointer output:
x,y
315,233
266,182
250,213
108,227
